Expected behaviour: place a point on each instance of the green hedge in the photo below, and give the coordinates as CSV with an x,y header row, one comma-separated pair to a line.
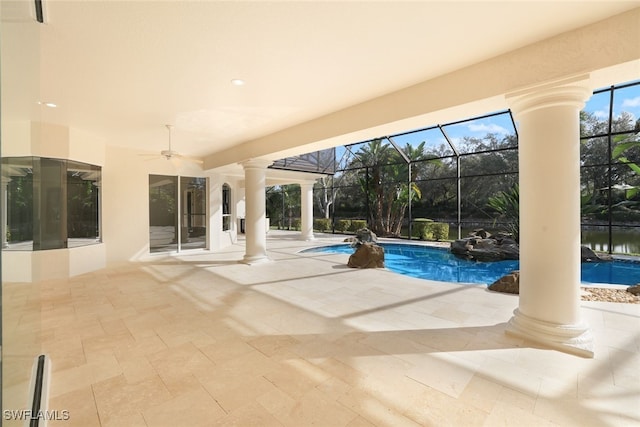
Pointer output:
x,y
343,225
296,223
322,224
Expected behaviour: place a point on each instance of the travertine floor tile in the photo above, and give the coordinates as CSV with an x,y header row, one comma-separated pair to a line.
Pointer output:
x,y
199,339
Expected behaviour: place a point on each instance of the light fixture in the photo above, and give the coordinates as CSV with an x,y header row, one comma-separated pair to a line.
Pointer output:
x,y
237,82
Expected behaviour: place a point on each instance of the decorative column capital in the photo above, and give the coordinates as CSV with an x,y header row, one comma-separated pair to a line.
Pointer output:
x,y
256,164
307,183
573,91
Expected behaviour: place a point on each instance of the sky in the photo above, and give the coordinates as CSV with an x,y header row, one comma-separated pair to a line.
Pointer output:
x,y
626,99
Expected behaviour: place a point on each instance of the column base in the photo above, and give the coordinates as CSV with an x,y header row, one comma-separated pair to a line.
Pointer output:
x,y
572,339
254,259
308,238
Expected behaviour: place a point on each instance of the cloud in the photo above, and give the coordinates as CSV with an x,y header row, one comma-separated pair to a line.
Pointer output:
x,y
488,128
631,102
601,114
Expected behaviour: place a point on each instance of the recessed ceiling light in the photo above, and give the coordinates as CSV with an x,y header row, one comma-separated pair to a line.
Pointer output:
x,y
237,82
47,104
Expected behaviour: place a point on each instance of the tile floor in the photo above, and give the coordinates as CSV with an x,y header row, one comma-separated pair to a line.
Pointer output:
x,y
201,340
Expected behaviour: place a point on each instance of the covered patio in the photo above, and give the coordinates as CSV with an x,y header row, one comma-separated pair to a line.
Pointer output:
x,y
203,339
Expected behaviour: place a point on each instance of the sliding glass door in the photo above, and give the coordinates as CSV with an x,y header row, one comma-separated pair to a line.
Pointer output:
x,y
177,213
193,234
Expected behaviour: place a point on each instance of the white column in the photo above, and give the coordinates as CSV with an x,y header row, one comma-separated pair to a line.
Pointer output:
x,y
306,210
255,218
549,168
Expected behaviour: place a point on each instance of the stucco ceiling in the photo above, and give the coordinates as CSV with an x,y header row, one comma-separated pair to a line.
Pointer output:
x,y
124,69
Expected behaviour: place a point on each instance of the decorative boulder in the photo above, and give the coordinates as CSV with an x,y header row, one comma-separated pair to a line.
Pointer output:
x,y
365,235
481,245
588,255
635,289
367,255
509,284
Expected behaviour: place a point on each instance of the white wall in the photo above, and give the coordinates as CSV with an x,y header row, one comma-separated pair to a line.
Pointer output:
x,y
125,199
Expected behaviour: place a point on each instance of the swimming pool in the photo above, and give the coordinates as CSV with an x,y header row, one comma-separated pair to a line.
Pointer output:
x,y
431,263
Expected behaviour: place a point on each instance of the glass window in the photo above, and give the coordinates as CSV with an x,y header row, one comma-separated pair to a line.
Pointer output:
x,y
226,207
49,203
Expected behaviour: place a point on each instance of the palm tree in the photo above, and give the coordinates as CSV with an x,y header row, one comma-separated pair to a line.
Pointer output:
x,y
386,183
373,157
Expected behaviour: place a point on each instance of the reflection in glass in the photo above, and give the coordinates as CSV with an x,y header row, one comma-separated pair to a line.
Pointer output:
x,y
163,213
165,208
194,213
49,203
83,218
226,207
17,201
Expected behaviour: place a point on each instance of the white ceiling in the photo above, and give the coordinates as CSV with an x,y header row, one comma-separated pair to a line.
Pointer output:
x,y
124,69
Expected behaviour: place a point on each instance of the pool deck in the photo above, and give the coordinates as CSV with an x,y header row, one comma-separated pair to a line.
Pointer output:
x,y
199,339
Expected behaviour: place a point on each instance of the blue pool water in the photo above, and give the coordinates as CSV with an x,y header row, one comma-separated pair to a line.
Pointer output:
x,y
439,264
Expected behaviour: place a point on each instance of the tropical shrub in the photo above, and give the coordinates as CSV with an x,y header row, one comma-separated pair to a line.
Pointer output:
x,y
507,205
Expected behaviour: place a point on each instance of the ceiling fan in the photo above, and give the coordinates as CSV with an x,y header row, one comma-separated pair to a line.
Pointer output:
x,y
170,154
